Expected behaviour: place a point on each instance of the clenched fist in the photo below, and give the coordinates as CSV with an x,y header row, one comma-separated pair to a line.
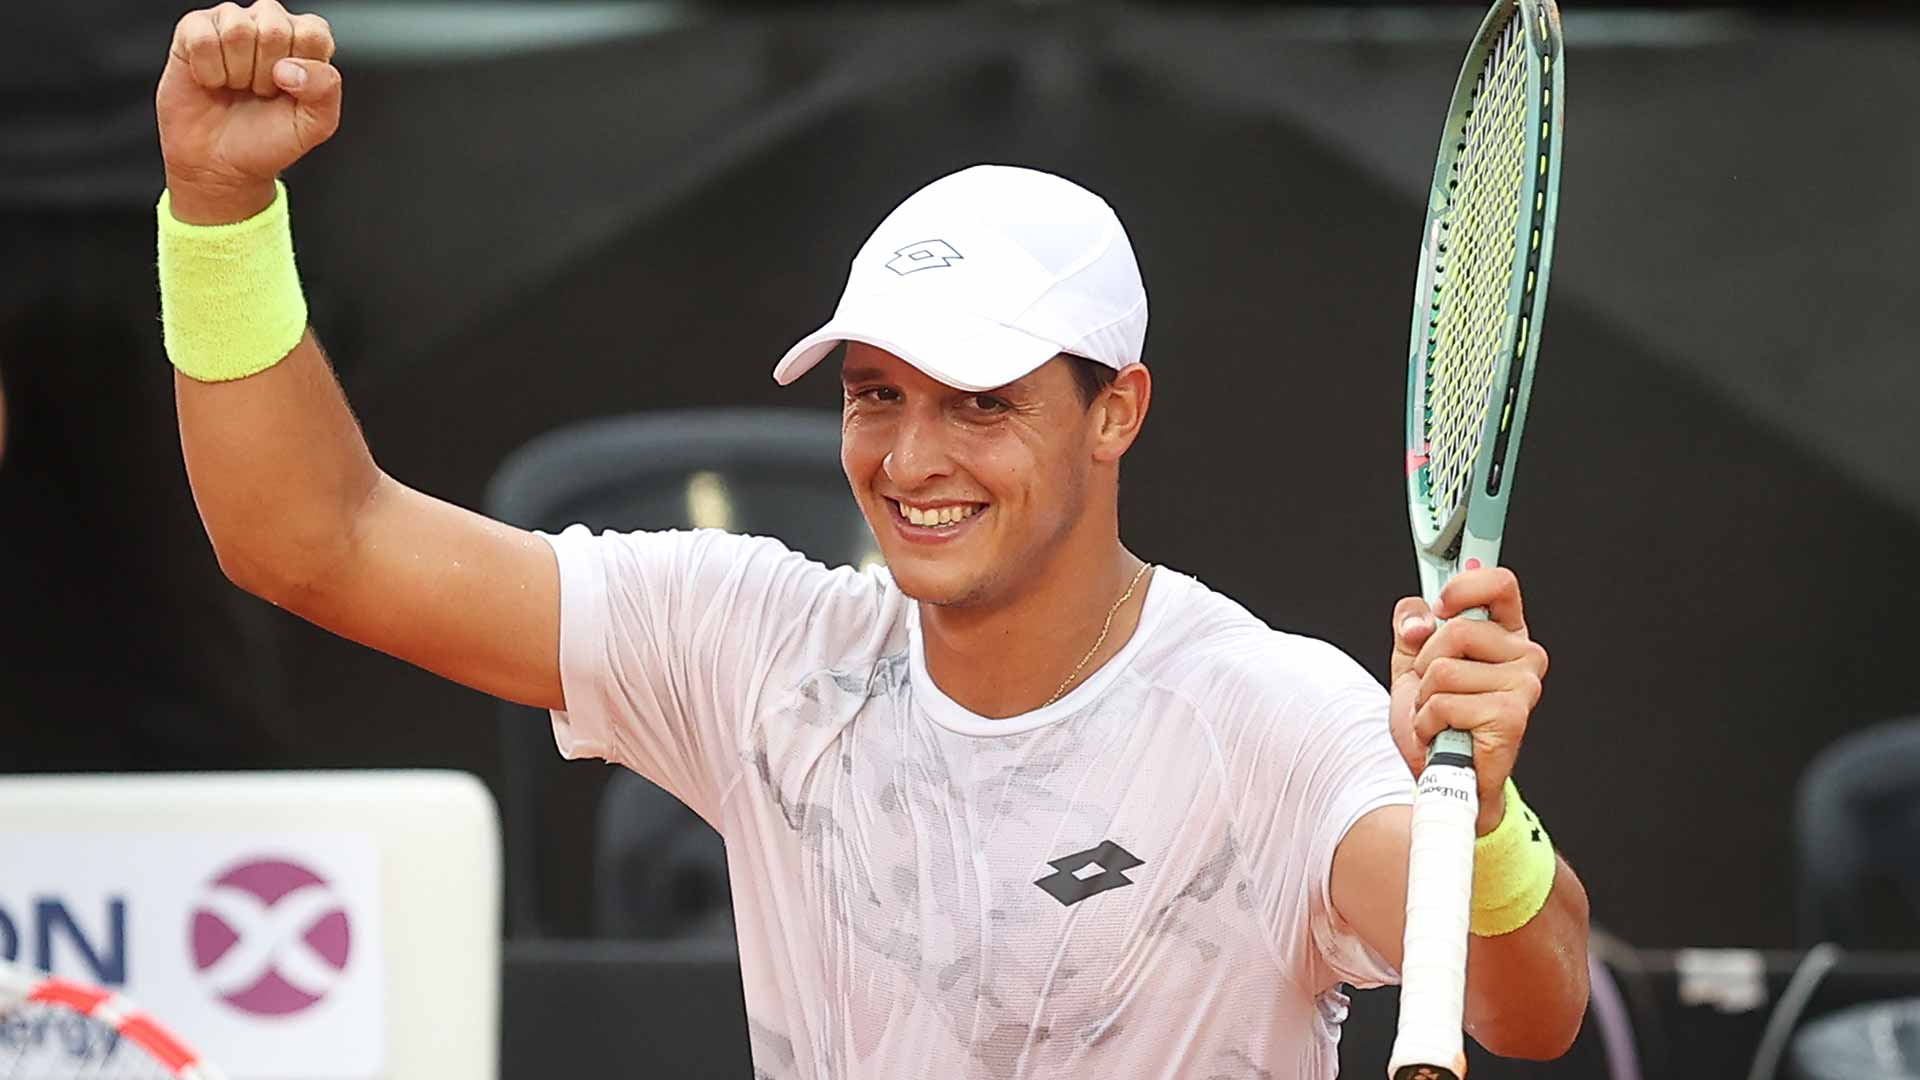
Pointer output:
x,y
247,92
1480,676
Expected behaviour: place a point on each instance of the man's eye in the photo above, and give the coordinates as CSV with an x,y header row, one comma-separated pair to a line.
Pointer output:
x,y
989,403
874,393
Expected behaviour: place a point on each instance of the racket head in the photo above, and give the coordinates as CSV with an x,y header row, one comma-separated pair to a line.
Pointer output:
x,y
53,1028
1486,254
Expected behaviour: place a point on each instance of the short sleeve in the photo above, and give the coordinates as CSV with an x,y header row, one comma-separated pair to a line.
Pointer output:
x,y
668,640
1361,772
1309,749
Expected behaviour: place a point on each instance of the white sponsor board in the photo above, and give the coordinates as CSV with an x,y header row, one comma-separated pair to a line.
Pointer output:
x,y
262,950
228,946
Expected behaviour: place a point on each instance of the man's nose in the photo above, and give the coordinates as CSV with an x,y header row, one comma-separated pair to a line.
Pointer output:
x,y
919,452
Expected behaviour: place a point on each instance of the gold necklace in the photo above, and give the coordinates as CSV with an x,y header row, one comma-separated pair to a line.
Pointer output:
x,y
1102,639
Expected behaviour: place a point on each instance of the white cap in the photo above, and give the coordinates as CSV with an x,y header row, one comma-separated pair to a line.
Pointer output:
x,y
984,275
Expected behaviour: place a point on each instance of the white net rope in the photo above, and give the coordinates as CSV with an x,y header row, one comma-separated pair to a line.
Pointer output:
x,y
1468,340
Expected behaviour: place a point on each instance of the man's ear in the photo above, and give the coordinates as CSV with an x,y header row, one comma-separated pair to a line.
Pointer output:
x,y
1119,412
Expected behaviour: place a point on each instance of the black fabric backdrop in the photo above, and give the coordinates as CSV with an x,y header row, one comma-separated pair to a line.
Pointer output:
x,y
496,247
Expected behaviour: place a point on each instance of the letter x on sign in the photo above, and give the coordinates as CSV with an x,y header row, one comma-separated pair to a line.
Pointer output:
x,y
1088,873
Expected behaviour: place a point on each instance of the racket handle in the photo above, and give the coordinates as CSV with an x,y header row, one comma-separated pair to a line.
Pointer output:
x,y
1433,965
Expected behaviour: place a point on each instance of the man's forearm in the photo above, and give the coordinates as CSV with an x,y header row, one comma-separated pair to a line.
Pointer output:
x,y
276,460
1527,990
279,470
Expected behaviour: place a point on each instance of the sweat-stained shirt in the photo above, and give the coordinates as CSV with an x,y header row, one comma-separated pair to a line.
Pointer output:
x,y
1129,883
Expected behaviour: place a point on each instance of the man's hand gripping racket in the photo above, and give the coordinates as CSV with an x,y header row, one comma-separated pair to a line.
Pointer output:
x,y
1485,254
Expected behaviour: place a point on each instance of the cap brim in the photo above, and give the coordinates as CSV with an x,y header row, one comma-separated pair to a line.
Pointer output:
x,y
964,351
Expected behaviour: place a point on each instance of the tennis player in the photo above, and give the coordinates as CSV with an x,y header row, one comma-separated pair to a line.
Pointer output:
x,y
1020,804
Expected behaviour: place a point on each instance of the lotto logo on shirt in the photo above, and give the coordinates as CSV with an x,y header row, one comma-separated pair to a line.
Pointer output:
x,y
1089,873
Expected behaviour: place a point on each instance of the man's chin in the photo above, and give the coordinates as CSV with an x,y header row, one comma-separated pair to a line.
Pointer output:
x,y
940,586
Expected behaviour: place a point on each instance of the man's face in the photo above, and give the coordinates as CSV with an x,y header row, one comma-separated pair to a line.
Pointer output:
x,y
967,492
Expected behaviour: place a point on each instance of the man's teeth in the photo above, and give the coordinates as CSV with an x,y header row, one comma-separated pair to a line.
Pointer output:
x,y
945,515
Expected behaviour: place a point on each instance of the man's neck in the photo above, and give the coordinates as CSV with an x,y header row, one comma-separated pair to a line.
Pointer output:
x,y
1007,659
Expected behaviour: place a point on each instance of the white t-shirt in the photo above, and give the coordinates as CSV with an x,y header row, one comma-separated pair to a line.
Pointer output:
x,y
1129,883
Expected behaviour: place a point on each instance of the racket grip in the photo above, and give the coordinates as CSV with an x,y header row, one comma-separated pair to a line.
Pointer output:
x,y
1433,966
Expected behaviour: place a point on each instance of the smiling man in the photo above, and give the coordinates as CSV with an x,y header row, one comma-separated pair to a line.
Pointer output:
x,y
1019,804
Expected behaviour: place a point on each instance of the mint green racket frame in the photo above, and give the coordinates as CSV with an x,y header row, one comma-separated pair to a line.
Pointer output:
x,y
1428,1043
1471,535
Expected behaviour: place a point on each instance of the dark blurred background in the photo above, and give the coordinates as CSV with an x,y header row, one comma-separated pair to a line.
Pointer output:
x,y
539,213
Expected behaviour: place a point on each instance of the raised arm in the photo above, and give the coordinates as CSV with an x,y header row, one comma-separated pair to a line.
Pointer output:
x,y
1527,959
297,509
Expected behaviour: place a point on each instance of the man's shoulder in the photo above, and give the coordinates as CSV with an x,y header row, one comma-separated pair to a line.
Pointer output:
x,y
714,551
728,574
1215,650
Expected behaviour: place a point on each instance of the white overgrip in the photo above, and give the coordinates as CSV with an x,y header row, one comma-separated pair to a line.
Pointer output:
x,y
1433,967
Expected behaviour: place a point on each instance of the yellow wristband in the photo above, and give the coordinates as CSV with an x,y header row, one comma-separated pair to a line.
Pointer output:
x,y
1513,870
230,300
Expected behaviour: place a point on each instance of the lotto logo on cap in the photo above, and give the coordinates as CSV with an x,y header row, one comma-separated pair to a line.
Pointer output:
x,y
925,255
270,937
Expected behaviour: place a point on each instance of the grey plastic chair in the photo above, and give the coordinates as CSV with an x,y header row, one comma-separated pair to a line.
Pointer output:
x,y
1876,1041
659,871
1856,829
1856,832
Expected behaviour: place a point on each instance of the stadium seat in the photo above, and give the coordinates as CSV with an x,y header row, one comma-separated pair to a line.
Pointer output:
x,y
1880,1040
1856,826
658,873
658,870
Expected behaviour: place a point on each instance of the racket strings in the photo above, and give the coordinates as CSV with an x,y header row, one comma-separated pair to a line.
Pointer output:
x,y
1469,342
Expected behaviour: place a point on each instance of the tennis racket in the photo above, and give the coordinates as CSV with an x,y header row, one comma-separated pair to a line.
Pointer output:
x,y
1478,305
56,1029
